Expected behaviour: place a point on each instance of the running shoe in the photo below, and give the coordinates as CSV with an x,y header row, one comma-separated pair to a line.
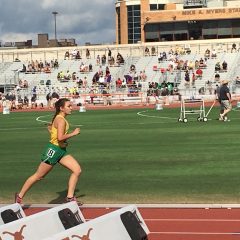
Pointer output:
x,y
18,199
72,199
221,118
226,119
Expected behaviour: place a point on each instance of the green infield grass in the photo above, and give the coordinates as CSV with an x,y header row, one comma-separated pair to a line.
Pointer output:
x,y
127,156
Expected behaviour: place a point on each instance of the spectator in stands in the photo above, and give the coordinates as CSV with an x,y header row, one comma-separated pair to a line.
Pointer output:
x,y
107,99
214,53
54,98
66,56
187,78
120,59
79,82
160,57
83,67
193,79
237,80
197,64
47,69
217,94
217,77
132,68
107,70
170,88
209,86
95,78
153,51
224,65
225,98
147,51
199,73
164,55
98,60
20,83
25,84
109,54
142,76
124,83
119,83
56,64
25,102
102,80
33,101
74,76
187,49
20,102
207,53
176,91
34,91
90,67
201,90
49,99
202,63
85,82
234,47
111,61
56,152
190,65
217,67
108,79
78,56
88,53
103,59
24,68
164,84
74,53
129,79
67,75
92,95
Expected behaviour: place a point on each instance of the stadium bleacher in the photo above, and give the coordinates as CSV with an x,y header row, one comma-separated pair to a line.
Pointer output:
x,y
155,71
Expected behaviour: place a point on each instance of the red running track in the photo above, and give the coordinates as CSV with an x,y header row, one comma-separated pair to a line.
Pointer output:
x,y
180,223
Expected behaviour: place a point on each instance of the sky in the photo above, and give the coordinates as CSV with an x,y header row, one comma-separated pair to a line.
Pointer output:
x,y
85,20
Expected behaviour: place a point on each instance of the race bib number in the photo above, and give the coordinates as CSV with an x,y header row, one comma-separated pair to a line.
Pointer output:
x,y
50,153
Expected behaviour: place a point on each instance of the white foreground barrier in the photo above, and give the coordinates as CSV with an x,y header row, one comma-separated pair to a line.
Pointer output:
x,y
41,225
123,224
11,213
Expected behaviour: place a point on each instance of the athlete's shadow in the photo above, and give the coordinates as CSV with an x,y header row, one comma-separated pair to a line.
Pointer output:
x,y
62,196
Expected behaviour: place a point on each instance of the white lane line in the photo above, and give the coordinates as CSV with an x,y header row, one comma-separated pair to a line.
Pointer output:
x,y
196,233
38,119
152,116
43,121
187,220
9,129
191,220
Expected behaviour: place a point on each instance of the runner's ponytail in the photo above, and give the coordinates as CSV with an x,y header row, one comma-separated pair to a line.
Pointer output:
x,y
59,103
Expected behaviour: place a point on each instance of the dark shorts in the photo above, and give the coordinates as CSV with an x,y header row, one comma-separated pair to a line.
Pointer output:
x,y
52,154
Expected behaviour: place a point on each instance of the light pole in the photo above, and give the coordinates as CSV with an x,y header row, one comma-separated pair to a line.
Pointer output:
x,y
55,23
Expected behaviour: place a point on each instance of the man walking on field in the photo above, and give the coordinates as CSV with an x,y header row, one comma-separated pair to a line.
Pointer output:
x,y
225,100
